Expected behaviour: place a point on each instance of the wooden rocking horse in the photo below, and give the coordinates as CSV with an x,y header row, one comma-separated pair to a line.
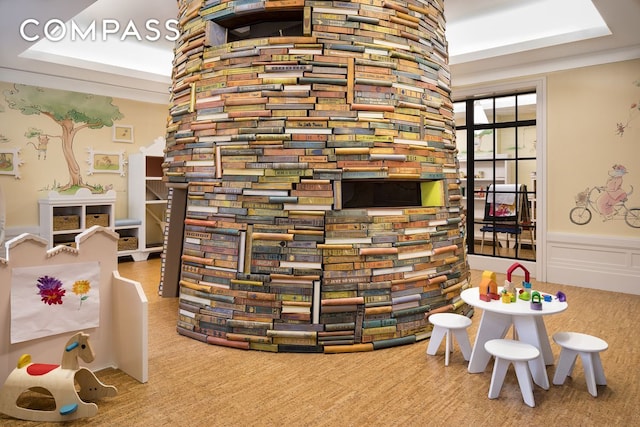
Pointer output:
x,y
60,382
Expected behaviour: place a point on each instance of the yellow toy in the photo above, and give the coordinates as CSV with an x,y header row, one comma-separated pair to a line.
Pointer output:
x,y
488,287
507,297
60,382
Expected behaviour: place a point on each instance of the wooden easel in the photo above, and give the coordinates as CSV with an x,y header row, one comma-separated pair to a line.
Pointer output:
x,y
512,220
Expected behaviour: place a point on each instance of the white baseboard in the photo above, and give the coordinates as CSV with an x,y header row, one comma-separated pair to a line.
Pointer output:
x,y
596,262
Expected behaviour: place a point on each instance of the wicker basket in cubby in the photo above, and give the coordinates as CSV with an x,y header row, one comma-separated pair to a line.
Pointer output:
x,y
66,222
97,219
127,243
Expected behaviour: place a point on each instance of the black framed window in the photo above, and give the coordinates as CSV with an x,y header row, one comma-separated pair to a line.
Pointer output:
x,y
496,140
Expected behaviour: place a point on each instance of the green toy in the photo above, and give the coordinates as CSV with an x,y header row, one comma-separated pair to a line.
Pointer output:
x,y
536,301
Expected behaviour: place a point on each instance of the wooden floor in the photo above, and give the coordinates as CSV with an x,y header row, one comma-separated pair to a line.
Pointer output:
x,y
195,384
524,253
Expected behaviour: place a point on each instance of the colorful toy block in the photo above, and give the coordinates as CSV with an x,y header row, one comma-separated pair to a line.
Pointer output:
x,y
488,287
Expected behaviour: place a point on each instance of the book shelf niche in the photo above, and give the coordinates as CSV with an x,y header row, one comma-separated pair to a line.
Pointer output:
x,y
148,196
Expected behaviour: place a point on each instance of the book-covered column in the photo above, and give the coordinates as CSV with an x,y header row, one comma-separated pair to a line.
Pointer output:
x,y
316,139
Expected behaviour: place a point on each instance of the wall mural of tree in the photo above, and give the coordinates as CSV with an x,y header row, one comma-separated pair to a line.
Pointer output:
x,y
72,111
2,137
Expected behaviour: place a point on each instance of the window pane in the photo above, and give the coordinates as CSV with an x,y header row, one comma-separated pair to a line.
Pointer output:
x,y
505,109
506,141
526,170
460,113
527,139
527,106
461,143
483,143
483,111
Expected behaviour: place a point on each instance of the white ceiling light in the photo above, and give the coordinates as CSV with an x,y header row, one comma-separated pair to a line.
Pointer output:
x,y
522,25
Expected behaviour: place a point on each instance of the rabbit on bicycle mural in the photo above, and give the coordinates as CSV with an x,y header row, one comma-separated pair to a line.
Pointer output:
x,y
613,192
609,200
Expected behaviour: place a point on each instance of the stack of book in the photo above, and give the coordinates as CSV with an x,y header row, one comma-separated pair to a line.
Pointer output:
x,y
267,130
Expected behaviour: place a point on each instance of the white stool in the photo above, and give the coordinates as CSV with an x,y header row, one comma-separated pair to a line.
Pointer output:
x,y
589,348
443,325
519,353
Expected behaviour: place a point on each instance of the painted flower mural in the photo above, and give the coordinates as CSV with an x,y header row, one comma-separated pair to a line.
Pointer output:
x,y
81,288
54,299
50,290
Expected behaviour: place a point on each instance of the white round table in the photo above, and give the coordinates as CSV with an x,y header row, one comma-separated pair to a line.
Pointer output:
x,y
497,318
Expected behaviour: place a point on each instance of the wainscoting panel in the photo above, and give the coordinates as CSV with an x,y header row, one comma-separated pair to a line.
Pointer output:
x,y
590,261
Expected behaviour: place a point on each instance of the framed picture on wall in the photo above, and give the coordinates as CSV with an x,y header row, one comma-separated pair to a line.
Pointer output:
x,y
10,161
123,133
106,162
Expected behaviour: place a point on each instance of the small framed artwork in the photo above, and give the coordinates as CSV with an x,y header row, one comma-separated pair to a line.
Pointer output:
x,y
123,133
10,162
105,162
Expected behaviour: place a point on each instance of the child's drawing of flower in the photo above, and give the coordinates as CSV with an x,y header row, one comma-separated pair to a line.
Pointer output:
x,y
51,291
81,288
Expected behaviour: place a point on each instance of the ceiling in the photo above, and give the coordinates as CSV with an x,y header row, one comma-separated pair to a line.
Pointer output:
x,y
488,40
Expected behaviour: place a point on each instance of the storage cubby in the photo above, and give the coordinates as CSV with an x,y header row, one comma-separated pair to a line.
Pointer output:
x,y
63,217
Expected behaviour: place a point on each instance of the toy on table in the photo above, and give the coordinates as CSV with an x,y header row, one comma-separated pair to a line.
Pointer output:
x,y
536,301
507,297
525,292
58,381
488,288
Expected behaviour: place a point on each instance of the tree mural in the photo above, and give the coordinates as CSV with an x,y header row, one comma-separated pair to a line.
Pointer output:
x,y
43,141
72,111
2,137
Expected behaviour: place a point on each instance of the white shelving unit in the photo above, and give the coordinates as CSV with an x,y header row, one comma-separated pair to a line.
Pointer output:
x,y
63,217
147,197
129,242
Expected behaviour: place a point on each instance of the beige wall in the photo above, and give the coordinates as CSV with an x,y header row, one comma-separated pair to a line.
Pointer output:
x,y
38,176
583,107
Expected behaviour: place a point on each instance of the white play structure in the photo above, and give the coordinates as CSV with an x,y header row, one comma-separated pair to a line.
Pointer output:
x,y
120,341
